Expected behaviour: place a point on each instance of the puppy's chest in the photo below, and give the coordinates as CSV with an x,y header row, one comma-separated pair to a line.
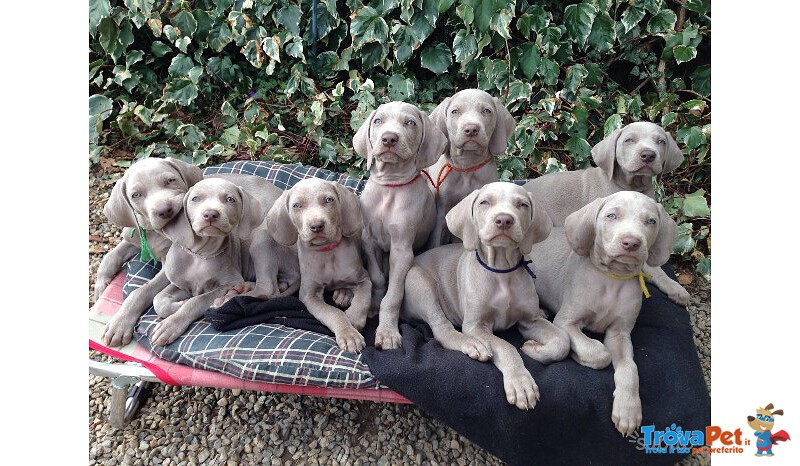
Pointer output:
x,y
342,269
383,214
609,302
508,298
198,275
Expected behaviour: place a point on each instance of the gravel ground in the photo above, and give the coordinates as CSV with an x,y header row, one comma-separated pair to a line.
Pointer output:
x,y
206,426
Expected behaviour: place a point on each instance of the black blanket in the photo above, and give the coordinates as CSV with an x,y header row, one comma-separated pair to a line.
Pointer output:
x,y
571,424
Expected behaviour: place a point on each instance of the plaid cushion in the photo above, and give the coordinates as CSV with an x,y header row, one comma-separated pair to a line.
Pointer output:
x,y
265,352
285,176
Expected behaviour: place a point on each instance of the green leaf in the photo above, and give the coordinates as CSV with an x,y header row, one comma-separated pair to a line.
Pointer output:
x,y
653,6
695,205
444,5
465,46
501,24
703,267
271,47
185,22
368,26
613,122
144,114
683,53
693,137
578,20
684,243
518,90
579,147
230,136
603,34
180,65
662,22
159,48
631,17
100,106
484,11
466,13
289,17
575,77
437,58
529,60
191,137
98,9
181,90
701,80
668,119
252,52
108,34
549,71
400,87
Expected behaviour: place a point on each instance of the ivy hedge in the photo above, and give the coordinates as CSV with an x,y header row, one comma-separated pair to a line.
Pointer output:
x,y
208,81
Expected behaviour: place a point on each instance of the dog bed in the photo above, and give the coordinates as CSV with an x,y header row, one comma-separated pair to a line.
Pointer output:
x,y
570,425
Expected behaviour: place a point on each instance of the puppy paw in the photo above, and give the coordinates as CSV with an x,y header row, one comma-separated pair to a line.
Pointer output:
x,y
521,390
99,287
343,297
119,330
591,353
350,340
626,413
680,295
550,352
168,330
473,347
387,338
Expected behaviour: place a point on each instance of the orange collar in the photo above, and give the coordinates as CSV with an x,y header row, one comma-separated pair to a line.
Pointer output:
x,y
447,168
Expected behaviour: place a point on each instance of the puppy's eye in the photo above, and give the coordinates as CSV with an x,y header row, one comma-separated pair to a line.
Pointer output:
x,y
662,141
484,202
628,140
523,205
487,111
651,221
377,122
328,200
196,199
611,216
136,195
297,205
411,123
171,180
230,200
454,111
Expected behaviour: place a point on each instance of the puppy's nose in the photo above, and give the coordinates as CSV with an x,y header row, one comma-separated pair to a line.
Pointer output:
x,y
316,226
504,221
389,139
165,212
647,156
471,130
630,243
211,215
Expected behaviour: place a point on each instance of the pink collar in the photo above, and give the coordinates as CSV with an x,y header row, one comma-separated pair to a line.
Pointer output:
x,y
331,247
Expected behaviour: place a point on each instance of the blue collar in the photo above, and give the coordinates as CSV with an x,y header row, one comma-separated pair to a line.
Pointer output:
x,y
522,263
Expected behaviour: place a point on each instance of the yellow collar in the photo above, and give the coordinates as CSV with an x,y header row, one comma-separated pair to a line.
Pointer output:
x,y
641,276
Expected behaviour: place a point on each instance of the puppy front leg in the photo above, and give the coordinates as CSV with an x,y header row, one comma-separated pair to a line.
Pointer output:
x,y
546,342
674,290
119,330
374,258
347,337
358,310
626,412
169,329
169,300
401,257
586,351
111,264
520,388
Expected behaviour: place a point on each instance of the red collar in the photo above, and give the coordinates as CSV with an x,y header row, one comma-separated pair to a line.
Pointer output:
x,y
331,247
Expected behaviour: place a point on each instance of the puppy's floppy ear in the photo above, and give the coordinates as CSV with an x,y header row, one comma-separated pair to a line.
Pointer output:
x,y
439,115
579,227
118,209
503,129
539,229
660,250
673,157
604,153
361,141
352,221
279,222
191,174
179,229
461,222
434,141
252,214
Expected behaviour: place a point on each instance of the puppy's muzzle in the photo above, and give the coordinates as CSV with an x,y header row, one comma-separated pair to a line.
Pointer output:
x,y
630,243
316,226
503,221
647,156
